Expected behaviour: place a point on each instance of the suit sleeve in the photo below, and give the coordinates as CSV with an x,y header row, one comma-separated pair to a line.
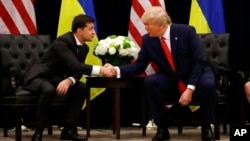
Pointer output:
x,y
198,57
66,54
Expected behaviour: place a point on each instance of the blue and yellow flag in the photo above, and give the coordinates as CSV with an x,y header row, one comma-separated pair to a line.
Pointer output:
x,y
207,16
69,9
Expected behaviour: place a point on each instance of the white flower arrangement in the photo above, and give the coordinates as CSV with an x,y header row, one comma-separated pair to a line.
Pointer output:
x,y
116,47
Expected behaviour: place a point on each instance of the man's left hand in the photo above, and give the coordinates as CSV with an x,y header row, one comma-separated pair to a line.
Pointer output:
x,y
63,86
186,97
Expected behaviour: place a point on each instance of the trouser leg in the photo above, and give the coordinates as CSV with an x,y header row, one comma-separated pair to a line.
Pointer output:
x,y
158,89
77,97
43,109
206,92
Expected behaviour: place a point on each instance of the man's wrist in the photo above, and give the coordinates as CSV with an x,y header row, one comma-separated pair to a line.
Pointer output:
x,y
96,70
118,73
72,79
192,87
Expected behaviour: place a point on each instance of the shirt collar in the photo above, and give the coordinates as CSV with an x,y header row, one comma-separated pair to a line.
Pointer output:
x,y
166,35
77,41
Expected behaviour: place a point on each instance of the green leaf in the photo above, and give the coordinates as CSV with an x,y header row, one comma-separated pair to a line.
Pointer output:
x,y
112,36
126,44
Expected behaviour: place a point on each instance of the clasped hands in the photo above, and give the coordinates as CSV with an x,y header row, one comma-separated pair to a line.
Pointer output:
x,y
108,70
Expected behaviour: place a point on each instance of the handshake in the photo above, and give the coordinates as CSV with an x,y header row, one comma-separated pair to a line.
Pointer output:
x,y
108,70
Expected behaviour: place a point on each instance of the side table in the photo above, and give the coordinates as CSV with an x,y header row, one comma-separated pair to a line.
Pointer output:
x,y
117,84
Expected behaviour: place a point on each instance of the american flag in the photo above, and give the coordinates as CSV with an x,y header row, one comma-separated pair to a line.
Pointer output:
x,y
17,17
136,27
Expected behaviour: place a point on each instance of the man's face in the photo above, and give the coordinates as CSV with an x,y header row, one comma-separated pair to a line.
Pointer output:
x,y
87,33
152,28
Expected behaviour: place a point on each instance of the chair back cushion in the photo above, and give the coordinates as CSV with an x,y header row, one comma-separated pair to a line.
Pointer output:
x,y
20,52
216,49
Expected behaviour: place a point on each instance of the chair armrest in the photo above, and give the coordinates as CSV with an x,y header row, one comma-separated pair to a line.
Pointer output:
x,y
223,72
244,75
8,81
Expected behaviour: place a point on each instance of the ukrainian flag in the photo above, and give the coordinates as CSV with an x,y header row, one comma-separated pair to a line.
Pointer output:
x,y
207,16
69,9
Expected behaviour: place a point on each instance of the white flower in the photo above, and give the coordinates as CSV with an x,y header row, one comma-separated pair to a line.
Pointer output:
x,y
123,52
116,46
112,50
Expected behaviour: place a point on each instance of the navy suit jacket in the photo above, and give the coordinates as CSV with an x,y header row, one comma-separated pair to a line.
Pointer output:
x,y
187,52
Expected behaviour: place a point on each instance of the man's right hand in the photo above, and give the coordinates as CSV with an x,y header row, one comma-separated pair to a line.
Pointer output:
x,y
108,70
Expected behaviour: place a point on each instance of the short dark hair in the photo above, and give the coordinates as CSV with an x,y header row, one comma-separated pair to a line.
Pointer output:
x,y
80,21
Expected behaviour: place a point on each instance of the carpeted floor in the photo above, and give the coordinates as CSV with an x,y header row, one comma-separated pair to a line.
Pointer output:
x,y
127,134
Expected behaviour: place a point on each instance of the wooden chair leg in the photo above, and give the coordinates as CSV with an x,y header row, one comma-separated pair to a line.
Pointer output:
x,y
143,112
217,131
180,128
18,124
5,132
50,130
224,128
242,113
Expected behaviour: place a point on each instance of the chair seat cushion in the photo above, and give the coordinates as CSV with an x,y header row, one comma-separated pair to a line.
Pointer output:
x,y
25,97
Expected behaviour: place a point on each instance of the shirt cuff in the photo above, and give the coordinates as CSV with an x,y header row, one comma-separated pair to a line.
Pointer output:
x,y
95,70
118,72
73,80
192,87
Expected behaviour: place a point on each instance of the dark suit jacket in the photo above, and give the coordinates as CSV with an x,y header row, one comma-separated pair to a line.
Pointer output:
x,y
60,62
187,50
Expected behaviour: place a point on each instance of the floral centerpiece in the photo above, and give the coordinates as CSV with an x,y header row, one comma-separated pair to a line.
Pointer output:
x,y
116,50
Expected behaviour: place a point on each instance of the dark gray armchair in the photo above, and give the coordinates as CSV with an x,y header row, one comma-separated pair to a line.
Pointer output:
x,y
240,106
17,54
217,48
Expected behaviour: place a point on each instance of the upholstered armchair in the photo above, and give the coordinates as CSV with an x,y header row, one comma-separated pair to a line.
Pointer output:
x,y
240,106
17,54
217,48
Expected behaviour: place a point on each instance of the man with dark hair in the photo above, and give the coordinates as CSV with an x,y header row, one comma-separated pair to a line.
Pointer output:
x,y
58,73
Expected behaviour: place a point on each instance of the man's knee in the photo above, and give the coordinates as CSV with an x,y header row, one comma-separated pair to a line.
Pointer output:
x,y
208,85
81,89
46,88
150,81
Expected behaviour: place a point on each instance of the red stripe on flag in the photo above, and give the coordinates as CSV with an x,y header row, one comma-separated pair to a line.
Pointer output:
x,y
155,2
134,28
135,33
8,20
154,66
137,7
25,16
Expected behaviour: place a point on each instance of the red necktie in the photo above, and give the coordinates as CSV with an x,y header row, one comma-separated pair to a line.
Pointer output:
x,y
181,85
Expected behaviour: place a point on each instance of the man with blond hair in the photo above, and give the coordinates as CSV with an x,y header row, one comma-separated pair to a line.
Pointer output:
x,y
182,71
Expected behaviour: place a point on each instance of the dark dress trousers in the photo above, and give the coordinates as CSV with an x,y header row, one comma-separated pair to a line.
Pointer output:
x,y
191,68
64,59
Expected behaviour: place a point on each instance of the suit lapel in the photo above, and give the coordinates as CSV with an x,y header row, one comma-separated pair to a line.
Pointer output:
x,y
174,42
82,53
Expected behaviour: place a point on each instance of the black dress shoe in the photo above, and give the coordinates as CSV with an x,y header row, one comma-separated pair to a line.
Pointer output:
x,y
162,134
72,135
207,135
37,136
